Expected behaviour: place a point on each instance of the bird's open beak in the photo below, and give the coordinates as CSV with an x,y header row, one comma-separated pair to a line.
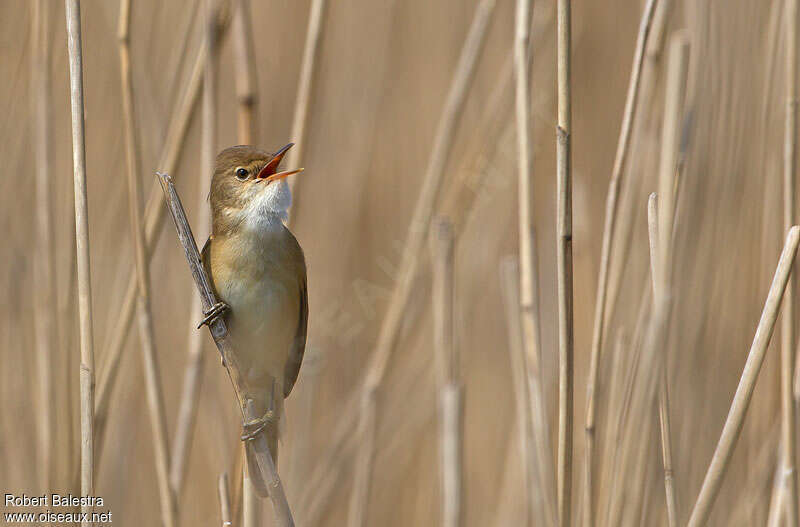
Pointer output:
x,y
269,173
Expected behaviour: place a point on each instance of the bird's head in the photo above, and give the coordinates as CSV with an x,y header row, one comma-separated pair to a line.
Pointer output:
x,y
247,189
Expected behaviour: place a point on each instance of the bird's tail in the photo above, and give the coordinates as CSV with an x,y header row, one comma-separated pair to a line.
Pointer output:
x,y
257,477
272,432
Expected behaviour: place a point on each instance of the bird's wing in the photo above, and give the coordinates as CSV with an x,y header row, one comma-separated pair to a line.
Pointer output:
x,y
205,259
292,368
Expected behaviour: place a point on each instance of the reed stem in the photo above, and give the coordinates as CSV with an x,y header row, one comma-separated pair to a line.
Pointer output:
x,y
747,383
73,16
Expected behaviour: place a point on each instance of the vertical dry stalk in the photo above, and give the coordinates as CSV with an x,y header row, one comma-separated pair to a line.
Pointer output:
x,y
411,257
219,332
788,450
247,95
246,80
744,392
663,394
153,218
450,396
224,500
564,264
651,360
528,294
155,398
46,304
605,251
509,287
187,412
304,86
73,15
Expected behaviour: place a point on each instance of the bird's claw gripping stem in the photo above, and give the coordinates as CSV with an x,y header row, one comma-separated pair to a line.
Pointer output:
x,y
211,314
254,427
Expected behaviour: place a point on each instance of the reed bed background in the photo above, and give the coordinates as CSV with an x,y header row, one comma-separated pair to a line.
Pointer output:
x,y
429,393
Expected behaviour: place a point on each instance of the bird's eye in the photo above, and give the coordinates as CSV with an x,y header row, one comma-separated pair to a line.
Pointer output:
x,y
241,174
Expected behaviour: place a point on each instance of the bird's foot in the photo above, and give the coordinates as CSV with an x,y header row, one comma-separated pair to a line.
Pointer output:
x,y
252,428
211,314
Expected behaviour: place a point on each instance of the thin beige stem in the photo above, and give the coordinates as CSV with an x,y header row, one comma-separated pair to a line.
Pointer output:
x,y
663,394
412,255
509,282
153,220
187,412
528,294
788,442
246,79
450,389
44,264
605,252
224,500
744,392
564,263
73,15
155,399
304,88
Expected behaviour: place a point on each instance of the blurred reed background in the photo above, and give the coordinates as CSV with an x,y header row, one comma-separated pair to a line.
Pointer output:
x,y
362,445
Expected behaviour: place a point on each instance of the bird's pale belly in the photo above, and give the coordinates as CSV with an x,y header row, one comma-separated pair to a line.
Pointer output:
x,y
262,322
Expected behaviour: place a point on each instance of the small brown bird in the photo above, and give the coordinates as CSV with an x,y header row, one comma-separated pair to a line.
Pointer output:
x,y
258,271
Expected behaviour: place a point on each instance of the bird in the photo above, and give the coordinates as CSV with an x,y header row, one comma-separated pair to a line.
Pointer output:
x,y
257,270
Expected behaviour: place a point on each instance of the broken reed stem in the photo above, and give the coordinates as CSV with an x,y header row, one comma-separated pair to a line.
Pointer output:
x,y
564,264
646,382
153,218
224,500
73,15
246,80
450,389
788,446
219,332
663,393
44,264
528,294
510,290
623,145
187,412
412,255
304,86
744,392
155,399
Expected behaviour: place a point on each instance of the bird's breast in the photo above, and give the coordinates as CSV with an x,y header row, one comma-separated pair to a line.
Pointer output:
x,y
256,277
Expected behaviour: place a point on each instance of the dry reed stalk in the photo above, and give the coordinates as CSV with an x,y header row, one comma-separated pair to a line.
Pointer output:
x,y
153,218
564,264
450,389
747,382
412,257
187,412
605,251
651,360
251,512
509,287
155,399
788,445
224,500
304,86
246,81
44,268
247,95
528,294
237,485
219,332
663,394
73,16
